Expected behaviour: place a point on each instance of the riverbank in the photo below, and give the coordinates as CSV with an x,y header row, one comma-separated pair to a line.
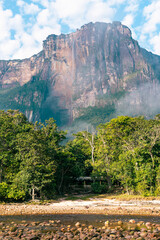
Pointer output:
x,y
106,206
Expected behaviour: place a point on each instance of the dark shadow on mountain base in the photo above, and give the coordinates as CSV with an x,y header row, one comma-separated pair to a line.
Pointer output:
x,y
51,109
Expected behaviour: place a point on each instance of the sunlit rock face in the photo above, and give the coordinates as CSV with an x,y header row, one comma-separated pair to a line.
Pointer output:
x,y
75,71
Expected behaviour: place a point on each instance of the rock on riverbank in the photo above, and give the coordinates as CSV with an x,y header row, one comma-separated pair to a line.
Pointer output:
x,y
54,229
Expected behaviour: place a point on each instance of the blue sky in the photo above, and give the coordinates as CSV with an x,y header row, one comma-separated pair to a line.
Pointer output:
x,y
24,24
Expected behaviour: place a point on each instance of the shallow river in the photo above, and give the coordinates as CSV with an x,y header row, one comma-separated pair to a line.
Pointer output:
x,y
88,219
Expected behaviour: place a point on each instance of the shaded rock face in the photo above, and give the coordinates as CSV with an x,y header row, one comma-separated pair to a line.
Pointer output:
x,y
77,70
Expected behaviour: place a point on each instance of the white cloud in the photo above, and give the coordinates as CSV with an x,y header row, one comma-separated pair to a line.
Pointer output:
x,y
131,10
28,9
72,12
42,18
5,17
132,6
155,42
8,48
40,33
100,12
1,3
16,23
76,13
116,2
45,23
11,29
31,9
152,15
48,18
22,39
28,47
7,23
70,8
44,3
128,20
148,32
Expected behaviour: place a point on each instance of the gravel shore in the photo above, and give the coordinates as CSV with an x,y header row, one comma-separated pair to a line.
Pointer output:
x,y
92,206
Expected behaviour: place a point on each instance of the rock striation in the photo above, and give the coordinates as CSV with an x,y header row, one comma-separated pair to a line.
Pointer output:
x,y
76,71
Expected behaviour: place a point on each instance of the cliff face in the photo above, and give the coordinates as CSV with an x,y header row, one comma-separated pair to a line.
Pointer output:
x,y
75,71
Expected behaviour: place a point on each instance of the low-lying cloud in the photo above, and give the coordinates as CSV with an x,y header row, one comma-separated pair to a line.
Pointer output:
x,y
143,101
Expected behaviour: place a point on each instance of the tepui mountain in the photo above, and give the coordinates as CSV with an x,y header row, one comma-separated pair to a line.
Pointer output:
x,y
81,75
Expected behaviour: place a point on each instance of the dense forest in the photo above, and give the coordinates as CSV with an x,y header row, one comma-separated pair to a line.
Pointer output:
x,y
34,158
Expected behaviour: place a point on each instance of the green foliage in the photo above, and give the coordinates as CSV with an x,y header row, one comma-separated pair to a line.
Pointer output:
x,y
16,194
99,188
3,191
28,97
129,152
96,115
124,152
29,154
157,191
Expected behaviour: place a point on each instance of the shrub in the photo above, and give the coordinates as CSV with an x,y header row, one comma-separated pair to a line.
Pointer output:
x,y
99,188
3,191
16,194
157,191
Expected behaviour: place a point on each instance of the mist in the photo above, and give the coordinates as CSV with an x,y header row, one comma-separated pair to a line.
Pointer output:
x,y
143,101
77,127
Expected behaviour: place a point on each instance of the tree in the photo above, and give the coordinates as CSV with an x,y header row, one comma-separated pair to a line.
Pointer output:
x,y
37,152
110,146
12,122
128,149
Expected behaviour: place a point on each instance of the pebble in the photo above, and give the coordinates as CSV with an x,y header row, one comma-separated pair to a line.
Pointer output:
x,y
54,230
78,224
143,234
106,223
132,221
120,223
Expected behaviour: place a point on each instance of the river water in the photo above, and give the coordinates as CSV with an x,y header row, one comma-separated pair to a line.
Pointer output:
x,y
88,219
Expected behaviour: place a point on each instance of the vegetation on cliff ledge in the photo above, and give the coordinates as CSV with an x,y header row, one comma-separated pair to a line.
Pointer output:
x,y
124,152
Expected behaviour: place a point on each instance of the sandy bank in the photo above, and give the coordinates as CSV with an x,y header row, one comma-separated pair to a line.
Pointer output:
x,y
92,206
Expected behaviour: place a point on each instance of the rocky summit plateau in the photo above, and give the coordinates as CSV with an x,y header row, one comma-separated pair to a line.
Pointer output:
x,y
83,75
